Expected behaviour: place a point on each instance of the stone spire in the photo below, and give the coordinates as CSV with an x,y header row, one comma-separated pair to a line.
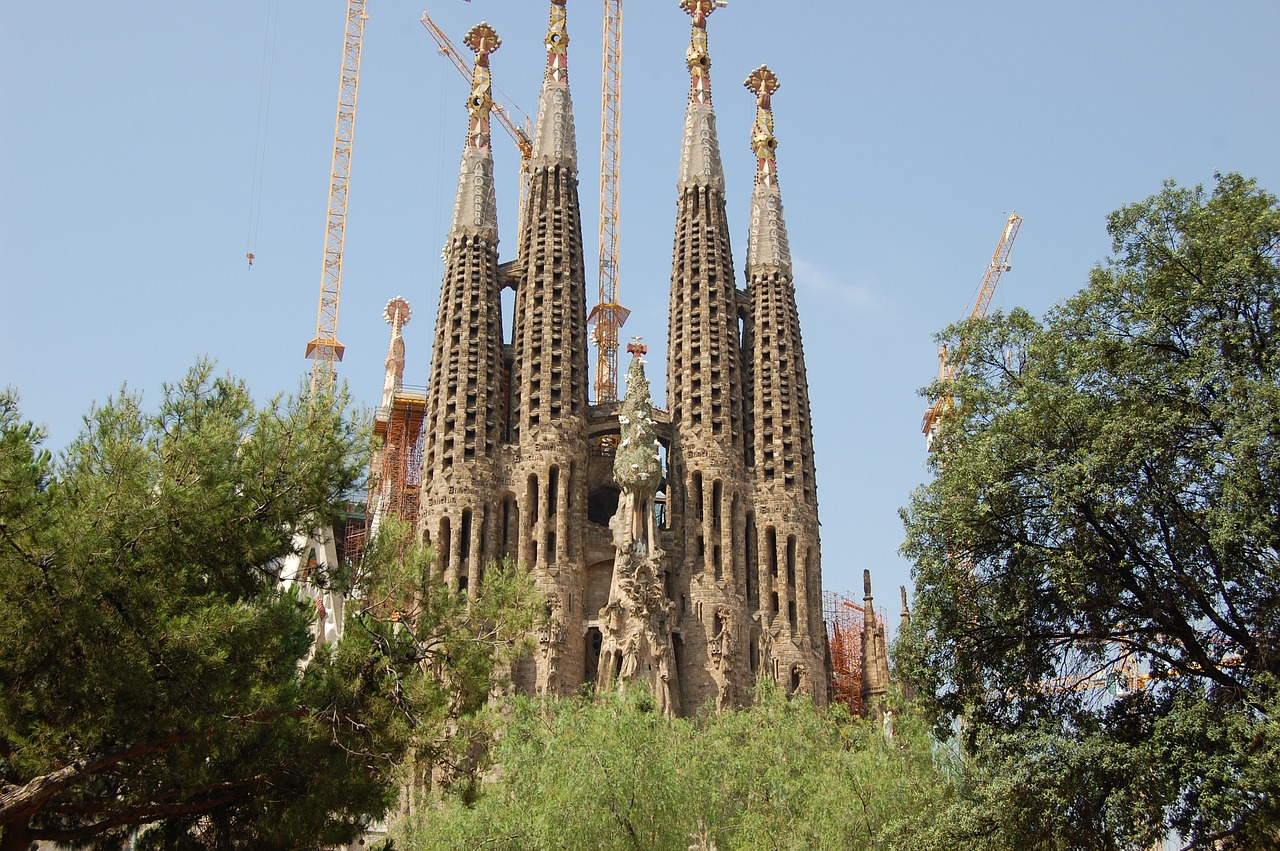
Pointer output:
x,y
550,336
544,510
704,312
875,660
554,138
475,212
767,246
464,408
397,313
708,479
779,429
700,156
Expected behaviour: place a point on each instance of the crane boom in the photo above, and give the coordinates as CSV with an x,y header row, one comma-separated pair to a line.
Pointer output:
x,y
608,315
947,367
325,349
998,266
518,134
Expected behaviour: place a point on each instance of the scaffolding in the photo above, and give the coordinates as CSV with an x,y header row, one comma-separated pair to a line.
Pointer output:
x,y
393,489
845,620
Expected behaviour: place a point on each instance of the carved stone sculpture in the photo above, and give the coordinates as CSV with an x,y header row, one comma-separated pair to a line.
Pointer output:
x,y
636,622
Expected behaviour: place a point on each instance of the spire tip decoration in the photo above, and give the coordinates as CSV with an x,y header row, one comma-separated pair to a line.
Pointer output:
x,y
698,57
397,313
762,82
767,246
483,41
557,42
475,210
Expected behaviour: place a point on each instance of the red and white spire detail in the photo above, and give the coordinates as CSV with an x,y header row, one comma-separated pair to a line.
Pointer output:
x,y
698,56
475,212
558,43
767,246
554,140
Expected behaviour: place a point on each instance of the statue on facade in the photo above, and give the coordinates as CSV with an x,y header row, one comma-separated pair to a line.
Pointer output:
x,y
636,622
551,641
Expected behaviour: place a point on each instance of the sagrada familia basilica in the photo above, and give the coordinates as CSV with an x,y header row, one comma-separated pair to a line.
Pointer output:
x,y
676,548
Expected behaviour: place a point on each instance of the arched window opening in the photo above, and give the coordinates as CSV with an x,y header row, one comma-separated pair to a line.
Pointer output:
x,y
791,561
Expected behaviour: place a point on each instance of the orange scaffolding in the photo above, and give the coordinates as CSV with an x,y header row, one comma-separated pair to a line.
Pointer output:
x,y
398,466
845,620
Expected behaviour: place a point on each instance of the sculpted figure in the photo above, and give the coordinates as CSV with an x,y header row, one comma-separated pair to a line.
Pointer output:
x,y
635,623
551,640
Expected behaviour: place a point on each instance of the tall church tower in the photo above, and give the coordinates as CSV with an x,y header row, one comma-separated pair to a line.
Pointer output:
x,y
708,482
549,375
693,577
463,426
788,603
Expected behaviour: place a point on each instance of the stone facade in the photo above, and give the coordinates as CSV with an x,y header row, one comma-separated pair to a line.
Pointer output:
x,y
678,550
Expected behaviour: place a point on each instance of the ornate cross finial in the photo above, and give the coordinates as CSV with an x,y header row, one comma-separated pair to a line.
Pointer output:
x,y
483,41
698,57
637,348
557,42
397,313
763,83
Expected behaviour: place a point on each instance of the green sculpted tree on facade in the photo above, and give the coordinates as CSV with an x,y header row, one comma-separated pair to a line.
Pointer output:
x,y
637,643
1106,512
637,465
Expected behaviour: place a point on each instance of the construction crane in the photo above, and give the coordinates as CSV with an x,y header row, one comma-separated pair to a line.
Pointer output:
x,y
518,134
609,316
948,367
325,349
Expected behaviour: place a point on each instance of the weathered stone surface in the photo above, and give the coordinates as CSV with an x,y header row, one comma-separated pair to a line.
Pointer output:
x,y
678,549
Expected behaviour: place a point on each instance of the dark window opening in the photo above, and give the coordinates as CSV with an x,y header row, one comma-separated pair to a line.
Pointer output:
x,y
602,504
593,643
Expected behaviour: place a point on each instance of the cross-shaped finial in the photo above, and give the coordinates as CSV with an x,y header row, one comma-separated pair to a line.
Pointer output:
x,y
397,312
482,40
762,82
699,9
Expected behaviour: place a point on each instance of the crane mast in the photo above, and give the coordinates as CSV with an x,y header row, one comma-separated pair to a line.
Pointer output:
x,y
518,134
947,367
608,315
325,349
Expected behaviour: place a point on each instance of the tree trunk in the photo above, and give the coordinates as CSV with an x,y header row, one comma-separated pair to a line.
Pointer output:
x,y
16,837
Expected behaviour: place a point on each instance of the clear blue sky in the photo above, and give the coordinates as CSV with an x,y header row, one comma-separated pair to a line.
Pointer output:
x,y
907,132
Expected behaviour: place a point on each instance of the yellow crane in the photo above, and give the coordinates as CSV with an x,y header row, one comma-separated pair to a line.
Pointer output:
x,y
947,367
518,134
609,316
325,349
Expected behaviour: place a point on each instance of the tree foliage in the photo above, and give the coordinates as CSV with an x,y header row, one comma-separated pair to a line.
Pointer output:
x,y
1106,510
154,672
612,773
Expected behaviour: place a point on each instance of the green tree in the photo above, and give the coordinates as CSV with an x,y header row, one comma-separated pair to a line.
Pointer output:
x,y
613,773
1106,509
153,671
